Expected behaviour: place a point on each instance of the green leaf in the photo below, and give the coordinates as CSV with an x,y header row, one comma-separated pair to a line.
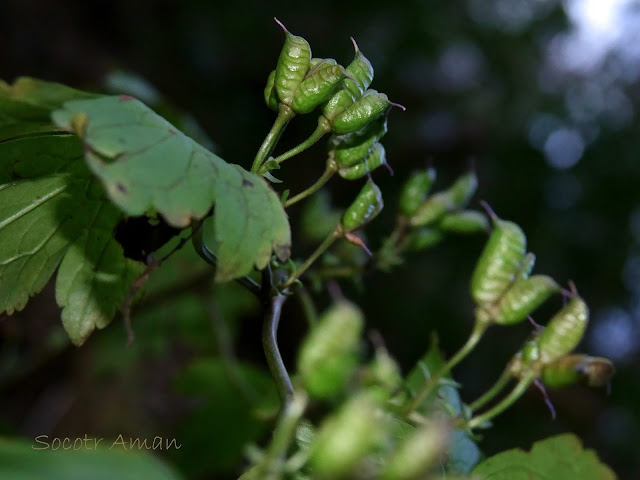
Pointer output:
x,y
146,164
561,458
53,212
19,461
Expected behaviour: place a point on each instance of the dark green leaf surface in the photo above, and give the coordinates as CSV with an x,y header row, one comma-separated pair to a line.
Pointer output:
x,y
146,164
19,461
53,212
558,458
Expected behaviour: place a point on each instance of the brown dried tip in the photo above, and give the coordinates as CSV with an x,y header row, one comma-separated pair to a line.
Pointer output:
x,y
489,210
398,106
355,45
281,25
357,241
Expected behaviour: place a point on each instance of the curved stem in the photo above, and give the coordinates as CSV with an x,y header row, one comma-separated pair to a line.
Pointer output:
x,y
516,393
270,345
472,341
321,130
284,115
493,391
328,173
326,243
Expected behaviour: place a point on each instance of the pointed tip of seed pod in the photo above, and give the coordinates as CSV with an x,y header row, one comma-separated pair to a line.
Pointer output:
x,y
489,211
355,45
572,287
281,25
357,241
389,168
397,105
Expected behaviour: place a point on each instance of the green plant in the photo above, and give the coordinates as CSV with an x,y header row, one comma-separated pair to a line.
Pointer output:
x,y
74,165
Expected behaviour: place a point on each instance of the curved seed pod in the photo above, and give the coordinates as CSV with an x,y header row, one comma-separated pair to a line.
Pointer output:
x,y
329,354
432,209
425,238
338,103
373,159
564,331
361,71
571,369
317,63
346,437
464,188
499,262
524,297
293,64
351,148
364,208
415,190
270,94
465,221
317,88
364,110
527,265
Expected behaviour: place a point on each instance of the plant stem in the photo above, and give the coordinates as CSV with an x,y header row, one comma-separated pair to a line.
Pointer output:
x,y
284,115
270,346
493,391
308,307
516,393
327,174
270,467
472,341
321,130
326,243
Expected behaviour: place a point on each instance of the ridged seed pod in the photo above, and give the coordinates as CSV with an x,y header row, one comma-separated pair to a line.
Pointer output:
x,y
317,88
499,262
415,190
464,221
364,208
270,94
351,148
523,298
564,331
293,64
432,209
528,262
361,71
364,110
329,354
374,158
464,188
578,368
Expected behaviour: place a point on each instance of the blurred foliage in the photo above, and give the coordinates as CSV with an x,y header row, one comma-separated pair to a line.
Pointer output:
x,y
553,138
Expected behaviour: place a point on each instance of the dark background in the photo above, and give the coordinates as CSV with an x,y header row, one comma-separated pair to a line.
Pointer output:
x,y
546,106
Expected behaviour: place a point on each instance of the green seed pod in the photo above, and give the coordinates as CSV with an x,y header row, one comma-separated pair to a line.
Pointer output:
x,y
317,88
317,63
415,190
329,354
270,94
351,148
528,262
464,188
374,158
417,453
465,221
578,368
364,208
424,238
338,103
564,331
346,438
293,64
499,262
384,371
432,209
361,71
364,110
526,359
523,298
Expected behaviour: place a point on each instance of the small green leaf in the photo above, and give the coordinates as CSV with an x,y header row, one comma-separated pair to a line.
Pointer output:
x,y
561,457
145,163
20,460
